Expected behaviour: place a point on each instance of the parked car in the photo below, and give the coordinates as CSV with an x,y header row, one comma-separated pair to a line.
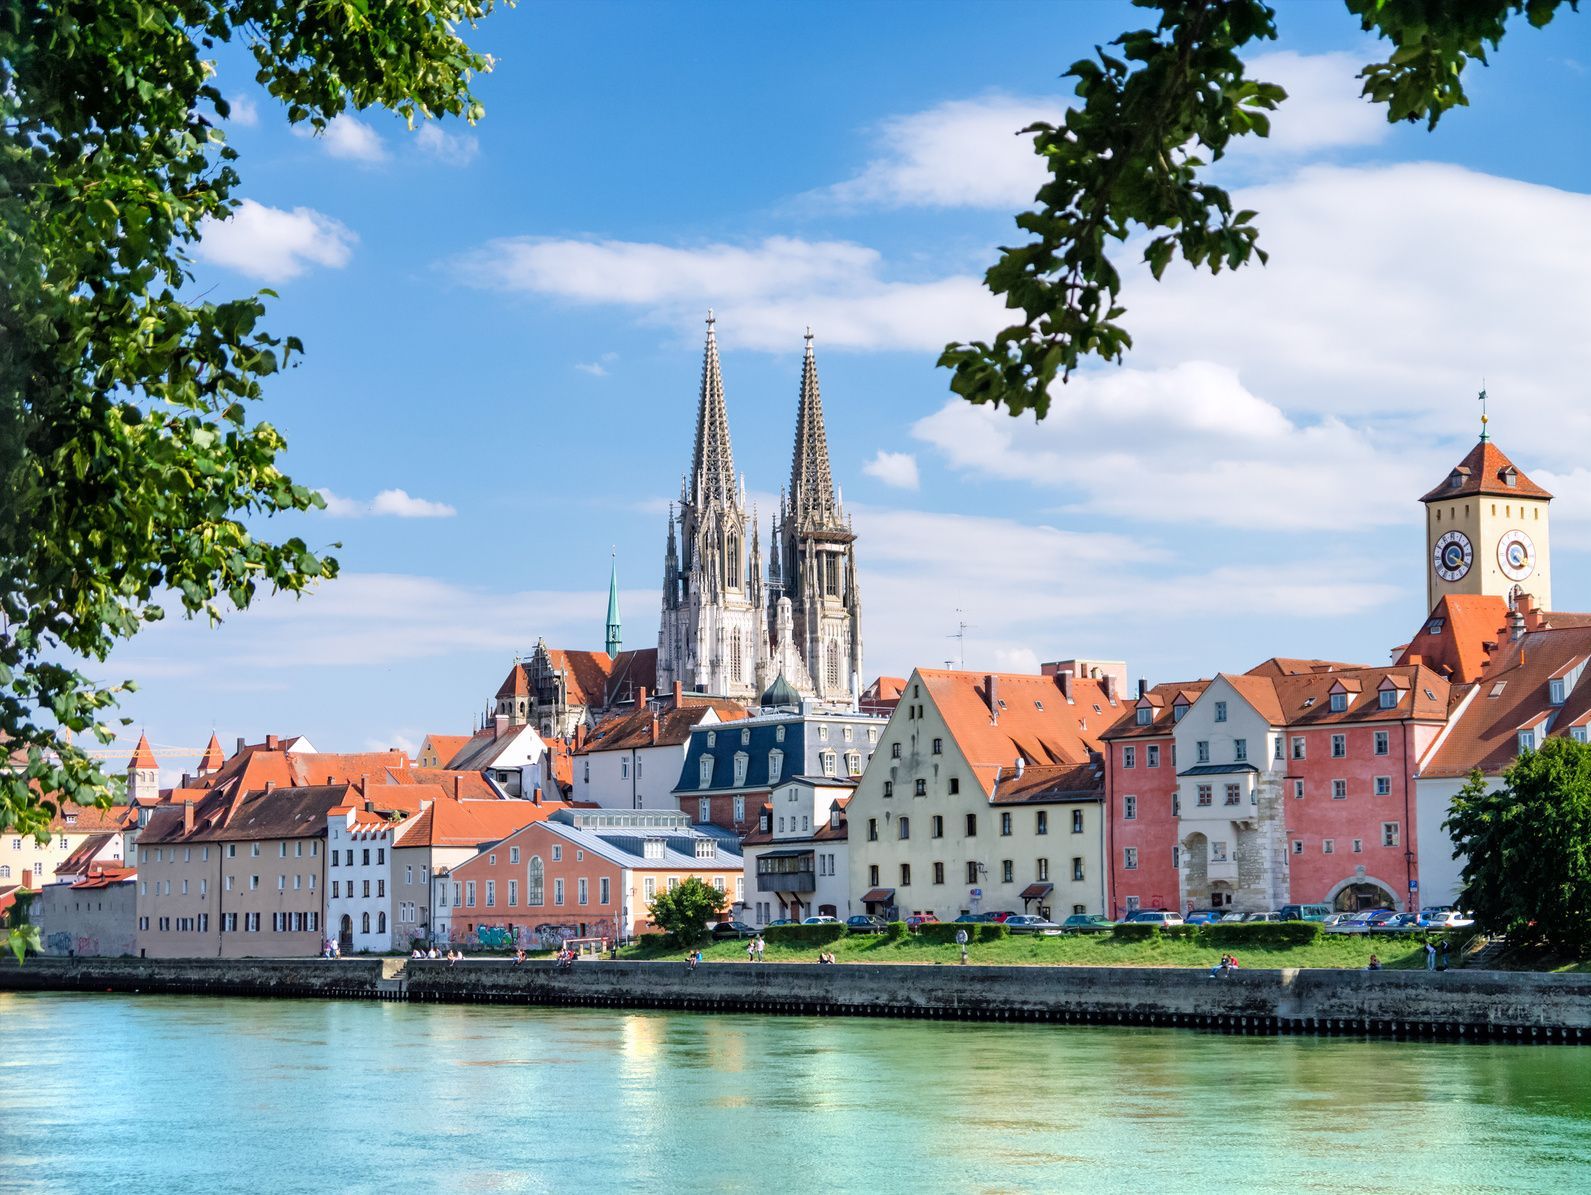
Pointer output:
x,y
1377,916
1451,919
1087,923
998,918
1230,918
824,920
1155,917
866,923
1400,921
733,929
1305,912
1026,923
1355,923
918,919
1203,917
1432,910
1338,918
1263,917
780,921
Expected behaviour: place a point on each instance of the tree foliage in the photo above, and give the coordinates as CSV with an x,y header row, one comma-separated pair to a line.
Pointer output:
x,y
1132,158
130,469
683,912
1527,847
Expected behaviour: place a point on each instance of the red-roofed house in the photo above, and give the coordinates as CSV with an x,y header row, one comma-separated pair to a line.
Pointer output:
x,y
985,794
92,912
558,691
632,760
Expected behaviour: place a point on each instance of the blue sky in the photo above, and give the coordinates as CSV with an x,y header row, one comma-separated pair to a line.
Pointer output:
x,y
503,329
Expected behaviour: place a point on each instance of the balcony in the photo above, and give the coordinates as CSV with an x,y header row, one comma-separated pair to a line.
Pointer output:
x,y
1226,870
787,871
787,881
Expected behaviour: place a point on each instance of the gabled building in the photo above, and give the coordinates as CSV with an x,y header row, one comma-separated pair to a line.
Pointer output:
x,y
89,911
558,691
360,837
796,864
986,793
632,761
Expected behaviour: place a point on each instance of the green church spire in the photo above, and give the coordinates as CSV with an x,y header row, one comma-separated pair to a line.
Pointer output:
x,y
615,639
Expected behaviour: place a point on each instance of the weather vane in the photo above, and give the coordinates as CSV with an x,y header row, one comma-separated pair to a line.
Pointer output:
x,y
1483,408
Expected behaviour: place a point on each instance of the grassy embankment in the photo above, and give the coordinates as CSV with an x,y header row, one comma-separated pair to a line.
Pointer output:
x,y
1091,950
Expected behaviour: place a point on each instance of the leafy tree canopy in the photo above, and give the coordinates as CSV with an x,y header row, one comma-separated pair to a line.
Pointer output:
x,y
685,911
1133,157
128,461
1527,847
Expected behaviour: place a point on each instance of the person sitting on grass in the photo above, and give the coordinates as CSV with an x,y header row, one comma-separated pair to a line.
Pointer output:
x,y
1375,963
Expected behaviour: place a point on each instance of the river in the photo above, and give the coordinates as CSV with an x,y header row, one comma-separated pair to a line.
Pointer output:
x,y
162,1094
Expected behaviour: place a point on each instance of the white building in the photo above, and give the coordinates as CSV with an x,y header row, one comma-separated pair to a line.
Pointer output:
x,y
632,761
359,862
796,863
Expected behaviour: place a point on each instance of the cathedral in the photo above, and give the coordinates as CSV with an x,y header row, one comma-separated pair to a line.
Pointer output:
x,y
729,627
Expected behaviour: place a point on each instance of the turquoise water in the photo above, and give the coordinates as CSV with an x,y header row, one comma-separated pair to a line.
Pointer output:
x,y
159,1094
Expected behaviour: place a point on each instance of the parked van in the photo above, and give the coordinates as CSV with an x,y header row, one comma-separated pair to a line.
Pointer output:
x,y
1305,912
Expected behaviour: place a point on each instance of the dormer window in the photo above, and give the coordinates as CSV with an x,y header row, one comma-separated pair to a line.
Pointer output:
x,y
1434,627
712,738
706,848
1039,705
1455,479
1339,702
1527,740
1388,698
1555,690
775,767
834,819
1177,710
704,775
741,759
1510,476
778,734
745,737
652,848
1144,715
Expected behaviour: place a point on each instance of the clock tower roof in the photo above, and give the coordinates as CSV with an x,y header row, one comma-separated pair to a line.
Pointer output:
x,y
1486,470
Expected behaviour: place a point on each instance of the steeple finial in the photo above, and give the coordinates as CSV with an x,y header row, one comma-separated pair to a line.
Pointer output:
x,y
712,461
1484,420
811,483
615,638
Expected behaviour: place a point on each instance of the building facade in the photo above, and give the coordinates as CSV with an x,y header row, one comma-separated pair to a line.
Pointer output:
x,y
632,761
360,857
1486,531
796,864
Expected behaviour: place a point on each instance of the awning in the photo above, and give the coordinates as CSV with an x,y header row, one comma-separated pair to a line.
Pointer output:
x,y
878,896
1217,769
783,854
1037,891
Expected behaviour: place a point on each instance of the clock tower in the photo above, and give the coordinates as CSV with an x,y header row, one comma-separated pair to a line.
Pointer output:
x,y
1486,531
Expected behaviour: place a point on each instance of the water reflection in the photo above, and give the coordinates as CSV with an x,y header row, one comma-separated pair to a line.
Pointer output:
x,y
316,1096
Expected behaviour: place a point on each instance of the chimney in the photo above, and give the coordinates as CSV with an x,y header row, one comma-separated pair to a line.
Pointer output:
x,y
272,742
364,782
186,780
1021,764
991,694
241,744
580,736
499,725
640,697
187,817
1143,687
1516,626
1108,683
458,786
1065,679
269,785
370,806
654,730
679,694
27,878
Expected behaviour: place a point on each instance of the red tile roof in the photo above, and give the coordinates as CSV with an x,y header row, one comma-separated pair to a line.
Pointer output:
x,y
1484,471
213,757
1161,701
585,675
446,822
470,786
91,819
631,672
445,746
516,683
1050,783
1457,638
143,757
1288,666
103,875
623,732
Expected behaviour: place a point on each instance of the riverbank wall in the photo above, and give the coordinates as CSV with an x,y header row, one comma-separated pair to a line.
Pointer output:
x,y
1480,1005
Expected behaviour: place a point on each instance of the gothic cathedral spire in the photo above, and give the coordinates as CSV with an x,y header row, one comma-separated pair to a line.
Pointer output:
x,y
712,460
811,483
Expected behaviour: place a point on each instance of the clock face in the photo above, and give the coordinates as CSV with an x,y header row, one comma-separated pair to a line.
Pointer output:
x,y
1516,555
1452,556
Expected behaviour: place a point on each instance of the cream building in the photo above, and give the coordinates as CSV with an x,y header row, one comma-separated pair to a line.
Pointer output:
x,y
986,794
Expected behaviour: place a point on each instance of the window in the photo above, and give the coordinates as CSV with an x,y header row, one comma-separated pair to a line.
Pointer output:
x,y
469,894
872,876
889,788
1220,711
1145,715
1328,846
557,890
1387,698
972,825
254,883
1129,858
1129,757
254,850
1176,858
1358,846
603,891
1152,755
1041,822
1178,709
920,788
1339,703
704,772
828,759
740,809
955,785
872,829
535,883
936,826
894,750
1527,741
1077,868
1389,833
972,873
704,809
1555,690
513,854
1206,794
649,887
904,827
1577,733
1234,794
775,766
1339,790
1278,752
1339,746
491,894
1298,789
1007,871
939,746
1129,808
905,875
1298,846
1077,821
1240,750
939,873
1042,869
1217,852
557,852
741,762
1005,825
1383,786
1383,742
582,891
1202,750
513,894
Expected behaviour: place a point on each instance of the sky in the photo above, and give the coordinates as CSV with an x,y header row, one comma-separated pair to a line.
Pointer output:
x,y
503,328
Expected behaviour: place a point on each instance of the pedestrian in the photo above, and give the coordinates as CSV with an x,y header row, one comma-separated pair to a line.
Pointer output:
x,y
1430,957
761,947
698,958
751,950
1441,956
1375,963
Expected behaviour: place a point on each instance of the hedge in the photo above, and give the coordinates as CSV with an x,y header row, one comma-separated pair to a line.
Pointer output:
x,y
1263,933
806,935
894,931
943,933
1135,931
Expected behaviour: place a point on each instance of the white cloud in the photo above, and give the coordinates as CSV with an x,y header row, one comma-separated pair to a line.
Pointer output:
x,y
599,367
455,149
897,469
244,111
1323,109
393,503
962,153
763,292
274,245
349,138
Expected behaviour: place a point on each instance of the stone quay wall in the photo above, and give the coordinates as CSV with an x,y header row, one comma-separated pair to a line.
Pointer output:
x,y
1454,1004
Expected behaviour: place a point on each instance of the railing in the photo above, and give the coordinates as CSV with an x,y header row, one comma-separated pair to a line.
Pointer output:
x,y
787,881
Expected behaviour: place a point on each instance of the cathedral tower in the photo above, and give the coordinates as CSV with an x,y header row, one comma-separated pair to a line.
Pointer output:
x,y
1486,530
816,557
712,637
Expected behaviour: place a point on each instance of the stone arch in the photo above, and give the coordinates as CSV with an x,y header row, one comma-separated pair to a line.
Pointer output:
x,y
1352,894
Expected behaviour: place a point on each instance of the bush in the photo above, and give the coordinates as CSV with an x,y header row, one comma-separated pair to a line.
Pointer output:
x,y
1189,933
943,933
1263,933
805,935
894,931
1136,931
